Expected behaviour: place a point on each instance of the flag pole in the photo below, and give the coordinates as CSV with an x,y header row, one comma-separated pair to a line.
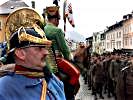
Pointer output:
x,y
65,25
64,15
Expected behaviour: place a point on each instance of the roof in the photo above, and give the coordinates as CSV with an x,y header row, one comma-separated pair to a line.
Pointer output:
x,y
91,37
10,5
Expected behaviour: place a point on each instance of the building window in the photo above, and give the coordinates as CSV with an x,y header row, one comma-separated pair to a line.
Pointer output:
x,y
103,43
95,38
0,25
108,45
126,42
130,41
119,35
130,28
113,36
113,44
108,37
119,44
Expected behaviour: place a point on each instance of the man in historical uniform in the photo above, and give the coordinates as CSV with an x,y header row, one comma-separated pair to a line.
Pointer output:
x,y
28,48
115,68
124,87
56,34
69,74
98,77
108,81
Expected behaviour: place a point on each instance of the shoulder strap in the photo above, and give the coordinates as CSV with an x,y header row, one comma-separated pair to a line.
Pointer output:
x,y
44,90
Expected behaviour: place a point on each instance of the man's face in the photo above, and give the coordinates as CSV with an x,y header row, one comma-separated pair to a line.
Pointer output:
x,y
35,56
117,56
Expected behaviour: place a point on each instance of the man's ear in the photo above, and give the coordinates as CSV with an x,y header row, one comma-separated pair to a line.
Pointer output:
x,y
20,53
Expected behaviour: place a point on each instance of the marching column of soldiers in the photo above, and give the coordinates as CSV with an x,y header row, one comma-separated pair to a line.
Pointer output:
x,y
109,74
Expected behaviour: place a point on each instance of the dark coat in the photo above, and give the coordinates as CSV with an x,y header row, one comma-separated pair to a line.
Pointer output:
x,y
124,88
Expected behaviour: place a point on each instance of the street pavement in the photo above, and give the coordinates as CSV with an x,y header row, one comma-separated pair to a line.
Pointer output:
x,y
85,94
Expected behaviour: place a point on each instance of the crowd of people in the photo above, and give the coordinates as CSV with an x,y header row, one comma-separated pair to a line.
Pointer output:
x,y
110,74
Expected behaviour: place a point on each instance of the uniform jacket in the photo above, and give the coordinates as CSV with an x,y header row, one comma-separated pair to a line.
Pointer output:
x,y
58,41
98,73
19,87
115,68
124,88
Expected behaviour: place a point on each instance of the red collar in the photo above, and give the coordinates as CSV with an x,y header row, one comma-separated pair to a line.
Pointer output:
x,y
24,69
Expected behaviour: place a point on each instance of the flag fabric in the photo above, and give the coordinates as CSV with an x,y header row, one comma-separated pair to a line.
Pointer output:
x,y
68,13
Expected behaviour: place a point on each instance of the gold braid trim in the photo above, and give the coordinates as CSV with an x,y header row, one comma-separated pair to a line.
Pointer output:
x,y
31,74
44,90
27,37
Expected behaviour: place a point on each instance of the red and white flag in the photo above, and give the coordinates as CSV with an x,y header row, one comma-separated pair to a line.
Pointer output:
x,y
68,13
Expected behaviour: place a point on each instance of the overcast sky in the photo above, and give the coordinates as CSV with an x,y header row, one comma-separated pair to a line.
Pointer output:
x,y
90,15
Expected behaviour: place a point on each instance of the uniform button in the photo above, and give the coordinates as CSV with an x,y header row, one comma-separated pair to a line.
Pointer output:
x,y
48,91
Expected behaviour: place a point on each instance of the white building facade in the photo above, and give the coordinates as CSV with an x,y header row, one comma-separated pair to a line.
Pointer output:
x,y
117,36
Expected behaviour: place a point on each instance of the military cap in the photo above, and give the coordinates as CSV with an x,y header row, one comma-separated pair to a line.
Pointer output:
x,y
52,12
26,37
23,29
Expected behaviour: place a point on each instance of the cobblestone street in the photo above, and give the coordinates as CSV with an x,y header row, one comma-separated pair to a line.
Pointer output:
x,y
85,94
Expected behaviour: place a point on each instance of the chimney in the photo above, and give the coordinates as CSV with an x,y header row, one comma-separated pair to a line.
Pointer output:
x,y
33,4
125,17
129,16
